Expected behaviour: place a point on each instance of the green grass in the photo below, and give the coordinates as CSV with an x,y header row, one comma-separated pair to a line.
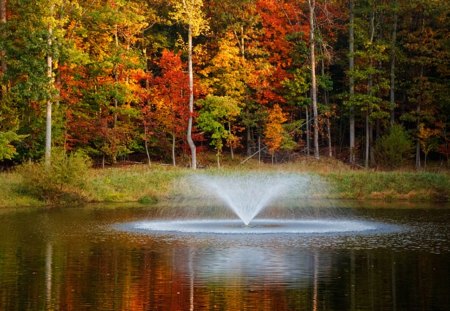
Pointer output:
x,y
391,185
11,194
148,185
139,183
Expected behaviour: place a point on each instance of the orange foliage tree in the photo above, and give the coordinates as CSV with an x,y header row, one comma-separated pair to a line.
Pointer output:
x,y
274,132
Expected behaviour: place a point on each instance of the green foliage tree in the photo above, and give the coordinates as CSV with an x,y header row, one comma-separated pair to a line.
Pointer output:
x,y
215,116
394,148
7,149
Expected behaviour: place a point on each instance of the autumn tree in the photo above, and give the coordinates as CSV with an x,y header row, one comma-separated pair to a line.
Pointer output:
x,y
170,93
274,131
108,101
190,13
422,36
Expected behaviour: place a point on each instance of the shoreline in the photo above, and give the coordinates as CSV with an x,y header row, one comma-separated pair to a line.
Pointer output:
x,y
147,185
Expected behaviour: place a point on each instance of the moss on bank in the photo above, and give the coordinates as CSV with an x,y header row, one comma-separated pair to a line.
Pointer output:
x,y
147,185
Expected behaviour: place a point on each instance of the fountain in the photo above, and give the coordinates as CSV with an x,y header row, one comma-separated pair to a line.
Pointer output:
x,y
247,195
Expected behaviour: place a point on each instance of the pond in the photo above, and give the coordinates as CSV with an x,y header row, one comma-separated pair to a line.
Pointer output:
x,y
92,258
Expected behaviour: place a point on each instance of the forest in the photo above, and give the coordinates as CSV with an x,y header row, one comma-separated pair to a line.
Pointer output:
x,y
363,81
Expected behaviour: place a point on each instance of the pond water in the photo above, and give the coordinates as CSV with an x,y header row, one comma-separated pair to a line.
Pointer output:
x,y
93,258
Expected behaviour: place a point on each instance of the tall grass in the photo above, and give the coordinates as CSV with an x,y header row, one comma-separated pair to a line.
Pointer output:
x,y
130,184
391,185
11,194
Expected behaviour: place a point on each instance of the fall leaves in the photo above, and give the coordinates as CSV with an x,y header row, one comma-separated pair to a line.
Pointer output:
x,y
127,74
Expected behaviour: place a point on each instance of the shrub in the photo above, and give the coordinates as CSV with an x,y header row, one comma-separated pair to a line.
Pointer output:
x,y
393,148
62,180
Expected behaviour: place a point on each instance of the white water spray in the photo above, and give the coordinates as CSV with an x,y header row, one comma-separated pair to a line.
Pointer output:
x,y
248,194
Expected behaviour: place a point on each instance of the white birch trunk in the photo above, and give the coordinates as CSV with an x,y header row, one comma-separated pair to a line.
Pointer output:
x,y
48,120
191,103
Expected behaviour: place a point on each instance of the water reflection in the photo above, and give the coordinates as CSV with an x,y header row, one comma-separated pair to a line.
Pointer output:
x,y
70,260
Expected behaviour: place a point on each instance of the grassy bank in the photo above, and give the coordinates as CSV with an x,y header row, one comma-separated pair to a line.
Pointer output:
x,y
144,184
422,186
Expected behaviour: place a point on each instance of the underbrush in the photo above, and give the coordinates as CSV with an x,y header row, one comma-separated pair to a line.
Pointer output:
x,y
62,180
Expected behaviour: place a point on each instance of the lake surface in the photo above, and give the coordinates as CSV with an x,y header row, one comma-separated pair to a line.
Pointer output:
x,y
89,259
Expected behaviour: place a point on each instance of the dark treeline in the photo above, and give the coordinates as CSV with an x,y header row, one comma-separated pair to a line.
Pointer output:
x,y
364,81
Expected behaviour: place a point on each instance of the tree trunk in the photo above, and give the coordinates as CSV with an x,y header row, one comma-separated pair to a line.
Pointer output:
x,y
369,90
351,83
392,70
116,77
259,149
312,4
330,147
418,165
147,86
231,145
3,65
371,150
115,101
48,120
308,147
191,103
149,161
366,155
174,159
325,99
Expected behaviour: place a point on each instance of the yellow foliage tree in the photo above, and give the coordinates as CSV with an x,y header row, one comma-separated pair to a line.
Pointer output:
x,y
427,140
274,132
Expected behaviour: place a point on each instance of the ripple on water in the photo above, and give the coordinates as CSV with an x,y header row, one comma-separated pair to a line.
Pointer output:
x,y
259,226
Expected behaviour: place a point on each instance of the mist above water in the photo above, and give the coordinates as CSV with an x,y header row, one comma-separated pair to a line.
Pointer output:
x,y
248,194
282,203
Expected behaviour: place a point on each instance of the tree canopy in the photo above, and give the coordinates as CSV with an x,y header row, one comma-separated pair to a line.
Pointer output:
x,y
129,77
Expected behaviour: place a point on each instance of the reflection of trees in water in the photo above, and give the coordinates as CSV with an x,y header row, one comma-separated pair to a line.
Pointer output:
x,y
51,265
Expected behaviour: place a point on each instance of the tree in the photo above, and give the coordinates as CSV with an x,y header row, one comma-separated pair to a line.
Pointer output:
x,y
3,65
216,113
28,54
274,131
394,148
106,78
48,127
393,60
189,12
428,140
312,5
297,88
423,33
169,97
351,80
